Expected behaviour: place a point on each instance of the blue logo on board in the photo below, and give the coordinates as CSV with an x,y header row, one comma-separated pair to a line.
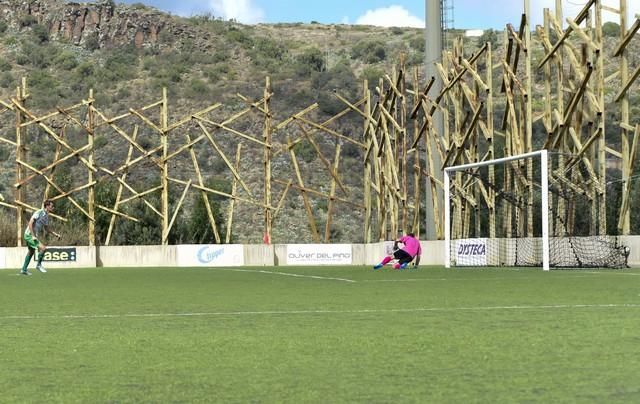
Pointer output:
x,y
207,254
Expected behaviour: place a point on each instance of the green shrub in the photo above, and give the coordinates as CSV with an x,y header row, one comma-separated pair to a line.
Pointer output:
x,y
85,69
489,35
372,75
166,37
44,88
100,141
311,60
150,64
5,66
369,51
216,72
123,93
11,41
28,20
22,59
199,229
304,150
139,6
37,55
267,53
92,42
221,55
7,80
418,43
611,29
40,32
121,65
415,59
197,89
66,60
239,36
3,27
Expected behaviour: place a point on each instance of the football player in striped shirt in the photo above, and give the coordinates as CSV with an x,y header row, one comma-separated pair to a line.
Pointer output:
x,y
37,227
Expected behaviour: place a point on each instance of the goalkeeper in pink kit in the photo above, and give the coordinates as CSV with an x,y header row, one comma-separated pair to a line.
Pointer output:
x,y
411,249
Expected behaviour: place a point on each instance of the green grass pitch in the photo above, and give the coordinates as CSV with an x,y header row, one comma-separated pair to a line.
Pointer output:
x,y
319,334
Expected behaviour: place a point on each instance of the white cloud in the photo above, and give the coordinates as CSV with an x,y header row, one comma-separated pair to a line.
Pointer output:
x,y
243,11
392,16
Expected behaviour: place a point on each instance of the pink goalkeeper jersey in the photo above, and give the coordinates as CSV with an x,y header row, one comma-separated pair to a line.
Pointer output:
x,y
411,245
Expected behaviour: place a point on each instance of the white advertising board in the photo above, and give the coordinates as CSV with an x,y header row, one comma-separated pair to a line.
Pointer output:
x,y
319,254
471,252
3,263
388,247
211,255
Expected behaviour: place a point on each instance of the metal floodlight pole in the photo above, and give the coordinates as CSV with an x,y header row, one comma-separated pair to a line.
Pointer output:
x,y
433,54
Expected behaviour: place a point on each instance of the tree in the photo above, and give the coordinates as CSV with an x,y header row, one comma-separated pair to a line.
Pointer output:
x,y
370,51
198,227
611,29
311,60
489,35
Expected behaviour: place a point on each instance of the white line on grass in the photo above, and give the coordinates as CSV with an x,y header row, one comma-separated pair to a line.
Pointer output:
x,y
288,274
471,280
296,312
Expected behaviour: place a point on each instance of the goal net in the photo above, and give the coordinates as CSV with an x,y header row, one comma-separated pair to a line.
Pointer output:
x,y
536,209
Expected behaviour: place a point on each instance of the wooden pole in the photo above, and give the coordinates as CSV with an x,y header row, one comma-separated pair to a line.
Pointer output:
x,y
266,137
91,197
417,166
164,112
123,178
367,163
600,118
303,192
490,150
404,157
624,221
21,95
232,202
336,164
203,194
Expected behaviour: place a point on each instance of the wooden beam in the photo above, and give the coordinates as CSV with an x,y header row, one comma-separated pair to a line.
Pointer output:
x,y
628,84
578,20
225,159
627,38
165,236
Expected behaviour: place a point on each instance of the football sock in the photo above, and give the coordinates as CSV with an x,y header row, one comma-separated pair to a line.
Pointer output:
x,y
386,260
40,257
27,260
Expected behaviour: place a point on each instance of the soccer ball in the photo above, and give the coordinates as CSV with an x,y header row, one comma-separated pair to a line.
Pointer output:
x,y
627,251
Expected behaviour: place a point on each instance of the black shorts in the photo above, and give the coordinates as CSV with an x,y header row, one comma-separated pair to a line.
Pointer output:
x,y
402,256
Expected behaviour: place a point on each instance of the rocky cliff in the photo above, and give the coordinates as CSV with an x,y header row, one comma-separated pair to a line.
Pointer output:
x,y
103,23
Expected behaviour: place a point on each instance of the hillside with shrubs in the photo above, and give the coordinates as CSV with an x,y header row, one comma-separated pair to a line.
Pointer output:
x,y
128,54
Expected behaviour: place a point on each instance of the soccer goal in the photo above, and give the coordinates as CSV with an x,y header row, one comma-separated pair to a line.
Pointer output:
x,y
537,209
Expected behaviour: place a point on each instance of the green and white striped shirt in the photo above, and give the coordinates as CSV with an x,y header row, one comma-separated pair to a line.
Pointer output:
x,y
40,220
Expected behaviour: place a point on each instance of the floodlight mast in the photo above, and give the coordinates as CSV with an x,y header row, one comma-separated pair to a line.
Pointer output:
x,y
437,18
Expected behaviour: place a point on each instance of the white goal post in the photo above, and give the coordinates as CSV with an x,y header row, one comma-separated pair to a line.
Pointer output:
x,y
540,157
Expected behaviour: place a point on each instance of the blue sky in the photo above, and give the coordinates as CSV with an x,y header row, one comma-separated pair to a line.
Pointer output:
x,y
468,14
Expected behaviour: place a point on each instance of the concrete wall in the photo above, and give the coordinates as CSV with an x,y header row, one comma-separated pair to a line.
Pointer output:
x,y
259,255
137,256
254,255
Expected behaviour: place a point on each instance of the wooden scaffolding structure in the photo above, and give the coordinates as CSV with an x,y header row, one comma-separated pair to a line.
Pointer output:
x,y
494,99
